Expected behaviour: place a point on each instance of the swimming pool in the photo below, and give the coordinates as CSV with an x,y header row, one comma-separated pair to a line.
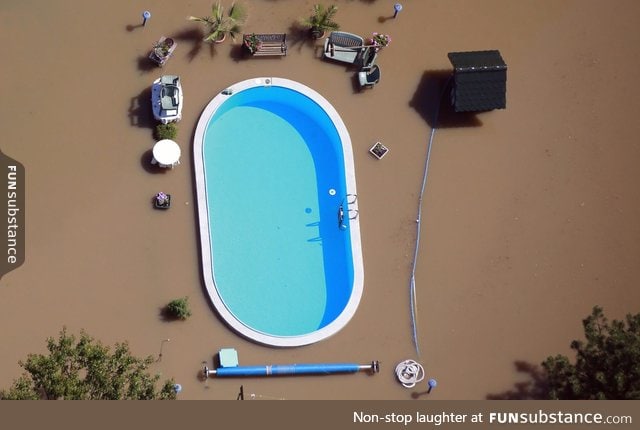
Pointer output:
x,y
277,206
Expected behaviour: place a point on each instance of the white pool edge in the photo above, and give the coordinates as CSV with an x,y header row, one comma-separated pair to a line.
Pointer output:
x,y
203,218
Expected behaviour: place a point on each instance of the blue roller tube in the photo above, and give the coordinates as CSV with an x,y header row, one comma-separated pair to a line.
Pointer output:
x,y
292,369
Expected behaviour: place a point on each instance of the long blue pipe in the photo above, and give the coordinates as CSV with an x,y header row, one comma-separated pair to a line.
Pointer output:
x,y
292,369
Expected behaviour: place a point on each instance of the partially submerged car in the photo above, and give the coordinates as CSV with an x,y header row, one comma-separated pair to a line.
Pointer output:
x,y
166,99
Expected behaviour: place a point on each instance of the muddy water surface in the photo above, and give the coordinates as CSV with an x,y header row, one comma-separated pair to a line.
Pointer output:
x,y
530,214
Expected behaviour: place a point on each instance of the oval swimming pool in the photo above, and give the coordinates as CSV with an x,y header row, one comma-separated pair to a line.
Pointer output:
x,y
277,205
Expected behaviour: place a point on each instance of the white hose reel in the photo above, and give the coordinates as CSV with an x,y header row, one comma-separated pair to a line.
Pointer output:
x,y
409,373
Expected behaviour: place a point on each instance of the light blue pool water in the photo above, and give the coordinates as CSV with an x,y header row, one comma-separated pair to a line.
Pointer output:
x,y
275,180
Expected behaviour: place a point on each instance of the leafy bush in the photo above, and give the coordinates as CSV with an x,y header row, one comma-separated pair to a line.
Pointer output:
x,y
179,308
166,131
85,369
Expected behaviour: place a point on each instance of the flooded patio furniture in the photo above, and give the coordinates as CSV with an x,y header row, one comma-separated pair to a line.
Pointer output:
x,y
166,153
369,76
369,56
228,357
167,98
162,50
265,44
344,47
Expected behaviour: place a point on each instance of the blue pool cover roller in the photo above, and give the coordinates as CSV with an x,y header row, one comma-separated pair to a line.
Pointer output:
x,y
292,369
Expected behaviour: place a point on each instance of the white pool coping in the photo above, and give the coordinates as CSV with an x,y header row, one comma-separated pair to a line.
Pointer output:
x,y
203,217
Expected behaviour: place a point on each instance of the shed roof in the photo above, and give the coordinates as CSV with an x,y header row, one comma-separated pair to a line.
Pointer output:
x,y
480,81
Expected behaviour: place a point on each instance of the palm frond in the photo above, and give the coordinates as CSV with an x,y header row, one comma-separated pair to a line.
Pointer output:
x,y
204,19
237,12
321,18
217,11
332,25
218,24
234,31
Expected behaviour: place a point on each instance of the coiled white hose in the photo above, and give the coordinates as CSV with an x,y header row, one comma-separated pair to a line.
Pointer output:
x,y
409,373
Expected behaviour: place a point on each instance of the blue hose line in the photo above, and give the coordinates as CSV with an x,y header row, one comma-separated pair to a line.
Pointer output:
x,y
412,283
288,369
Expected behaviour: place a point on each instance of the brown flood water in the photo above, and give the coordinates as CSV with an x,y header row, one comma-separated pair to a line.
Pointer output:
x,y
530,215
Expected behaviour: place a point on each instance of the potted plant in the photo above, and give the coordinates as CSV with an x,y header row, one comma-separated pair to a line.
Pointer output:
x,y
321,20
379,150
380,40
220,25
162,50
252,43
163,47
162,200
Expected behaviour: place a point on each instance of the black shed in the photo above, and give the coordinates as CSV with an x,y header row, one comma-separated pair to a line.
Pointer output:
x,y
479,81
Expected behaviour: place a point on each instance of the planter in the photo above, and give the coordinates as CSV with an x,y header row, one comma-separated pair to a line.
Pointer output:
x,y
162,50
380,40
316,32
379,150
252,43
162,201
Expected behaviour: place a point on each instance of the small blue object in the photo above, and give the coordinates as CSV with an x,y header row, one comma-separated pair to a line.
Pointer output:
x,y
432,384
396,8
145,16
177,387
288,369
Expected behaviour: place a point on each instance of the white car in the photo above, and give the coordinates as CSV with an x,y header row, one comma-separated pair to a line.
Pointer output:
x,y
166,99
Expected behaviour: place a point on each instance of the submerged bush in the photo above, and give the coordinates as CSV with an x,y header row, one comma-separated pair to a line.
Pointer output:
x,y
166,131
82,368
179,308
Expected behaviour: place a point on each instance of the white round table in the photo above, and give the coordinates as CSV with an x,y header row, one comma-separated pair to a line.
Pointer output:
x,y
166,152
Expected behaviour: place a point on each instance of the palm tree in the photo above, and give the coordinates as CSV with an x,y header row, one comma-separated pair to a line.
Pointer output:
x,y
218,25
321,20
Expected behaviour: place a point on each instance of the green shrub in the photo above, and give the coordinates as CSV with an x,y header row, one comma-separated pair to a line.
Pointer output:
x,y
82,368
166,131
179,308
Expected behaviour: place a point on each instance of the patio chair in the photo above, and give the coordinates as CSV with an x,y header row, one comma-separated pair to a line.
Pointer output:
x,y
369,76
344,47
